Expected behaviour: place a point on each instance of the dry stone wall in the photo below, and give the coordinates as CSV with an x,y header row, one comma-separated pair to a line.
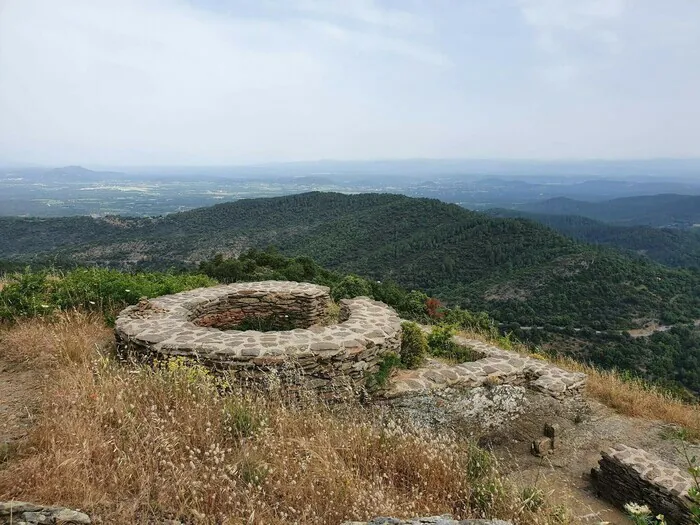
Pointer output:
x,y
496,366
632,475
325,356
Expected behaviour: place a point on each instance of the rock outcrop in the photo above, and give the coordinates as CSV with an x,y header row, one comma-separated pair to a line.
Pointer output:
x,y
23,513
632,475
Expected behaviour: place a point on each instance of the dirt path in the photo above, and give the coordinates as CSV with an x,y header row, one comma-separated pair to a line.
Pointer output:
x,y
20,391
587,428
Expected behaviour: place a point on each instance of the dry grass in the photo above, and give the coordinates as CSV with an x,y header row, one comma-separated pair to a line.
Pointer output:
x,y
61,339
632,398
636,398
136,445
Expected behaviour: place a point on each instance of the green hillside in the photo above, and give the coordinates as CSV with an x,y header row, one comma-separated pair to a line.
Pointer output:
x,y
666,210
519,270
672,247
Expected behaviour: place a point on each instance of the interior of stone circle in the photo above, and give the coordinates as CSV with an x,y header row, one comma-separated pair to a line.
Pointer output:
x,y
265,312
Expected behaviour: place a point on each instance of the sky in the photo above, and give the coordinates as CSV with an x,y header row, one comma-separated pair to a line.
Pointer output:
x,y
218,82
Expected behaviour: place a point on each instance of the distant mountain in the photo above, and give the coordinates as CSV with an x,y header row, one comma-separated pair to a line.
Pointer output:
x,y
72,173
669,246
665,210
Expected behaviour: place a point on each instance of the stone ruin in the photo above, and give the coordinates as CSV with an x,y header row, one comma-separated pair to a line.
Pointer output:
x,y
494,366
632,475
194,324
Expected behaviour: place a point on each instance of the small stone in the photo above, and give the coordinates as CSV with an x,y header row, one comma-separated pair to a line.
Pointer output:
x,y
551,430
541,447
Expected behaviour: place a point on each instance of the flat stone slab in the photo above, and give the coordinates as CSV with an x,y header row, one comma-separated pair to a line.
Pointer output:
x,y
496,366
166,327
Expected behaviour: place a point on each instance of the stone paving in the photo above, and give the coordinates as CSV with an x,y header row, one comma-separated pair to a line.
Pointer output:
x,y
165,327
495,367
632,475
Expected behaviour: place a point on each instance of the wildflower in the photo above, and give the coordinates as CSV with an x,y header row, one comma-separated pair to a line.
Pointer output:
x,y
637,510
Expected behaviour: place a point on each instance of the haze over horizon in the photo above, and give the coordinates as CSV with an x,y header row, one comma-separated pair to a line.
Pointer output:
x,y
225,82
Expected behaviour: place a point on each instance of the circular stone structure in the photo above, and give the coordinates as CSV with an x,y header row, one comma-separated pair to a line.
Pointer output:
x,y
187,324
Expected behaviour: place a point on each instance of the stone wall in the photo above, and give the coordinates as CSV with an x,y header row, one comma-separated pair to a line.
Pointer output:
x,y
631,475
327,357
299,306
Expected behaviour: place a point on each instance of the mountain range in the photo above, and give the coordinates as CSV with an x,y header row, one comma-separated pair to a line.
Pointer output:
x,y
663,210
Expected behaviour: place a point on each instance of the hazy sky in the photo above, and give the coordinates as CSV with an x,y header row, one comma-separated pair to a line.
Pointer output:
x,y
234,81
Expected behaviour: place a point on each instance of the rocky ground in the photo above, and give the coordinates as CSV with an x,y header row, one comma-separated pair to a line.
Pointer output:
x,y
508,419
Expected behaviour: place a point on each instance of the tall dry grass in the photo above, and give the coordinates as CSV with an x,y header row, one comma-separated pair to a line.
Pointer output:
x,y
68,337
137,445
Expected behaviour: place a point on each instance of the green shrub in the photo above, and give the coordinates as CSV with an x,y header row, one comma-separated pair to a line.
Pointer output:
x,y
414,345
30,293
441,344
351,286
239,419
378,379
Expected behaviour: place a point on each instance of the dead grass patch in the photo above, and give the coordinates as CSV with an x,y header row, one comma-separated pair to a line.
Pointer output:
x,y
137,445
69,337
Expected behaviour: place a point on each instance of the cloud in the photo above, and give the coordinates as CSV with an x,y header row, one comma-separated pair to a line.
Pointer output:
x,y
569,32
235,81
366,12
379,43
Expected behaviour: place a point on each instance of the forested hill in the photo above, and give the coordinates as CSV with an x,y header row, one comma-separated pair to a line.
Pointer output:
x,y
666,210
518,270
669,246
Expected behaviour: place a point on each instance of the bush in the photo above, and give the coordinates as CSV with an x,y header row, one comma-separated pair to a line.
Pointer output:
x,y
351,286
414,345
30,294
441,344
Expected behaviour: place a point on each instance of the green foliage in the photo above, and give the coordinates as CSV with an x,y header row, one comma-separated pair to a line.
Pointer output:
x,y
440,344
669,246
351,286
239,419
379,379
414,345
40,293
